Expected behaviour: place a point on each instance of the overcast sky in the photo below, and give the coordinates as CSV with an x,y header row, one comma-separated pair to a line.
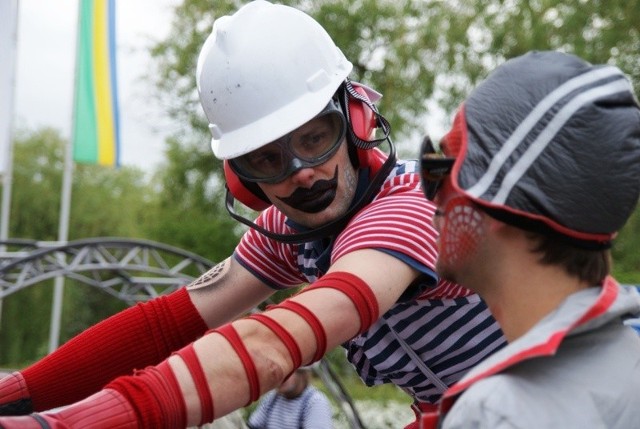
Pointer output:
x,y
46,62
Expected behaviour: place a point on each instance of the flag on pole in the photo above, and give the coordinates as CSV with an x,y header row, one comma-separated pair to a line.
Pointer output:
x,y
96,137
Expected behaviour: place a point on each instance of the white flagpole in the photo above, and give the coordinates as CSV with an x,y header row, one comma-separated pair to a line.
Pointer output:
x,y
63,235
8,44
65,211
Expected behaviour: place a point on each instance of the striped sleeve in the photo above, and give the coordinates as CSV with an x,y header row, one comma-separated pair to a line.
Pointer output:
x,y
271,261
399,221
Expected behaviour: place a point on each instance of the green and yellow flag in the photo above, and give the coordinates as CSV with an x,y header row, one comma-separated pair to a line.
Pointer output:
x,y
96,123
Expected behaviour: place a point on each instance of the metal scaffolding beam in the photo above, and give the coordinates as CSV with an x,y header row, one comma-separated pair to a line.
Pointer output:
x,y
131,270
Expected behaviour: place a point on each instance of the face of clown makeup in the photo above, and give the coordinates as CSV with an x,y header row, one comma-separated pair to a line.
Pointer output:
x,y
314,196
462,228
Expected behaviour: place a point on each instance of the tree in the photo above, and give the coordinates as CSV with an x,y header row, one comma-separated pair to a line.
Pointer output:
x,y
105,202
189,212
626,252
413,51
418,50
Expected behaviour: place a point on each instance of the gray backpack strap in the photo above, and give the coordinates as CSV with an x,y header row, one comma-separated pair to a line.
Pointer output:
x,y
431,376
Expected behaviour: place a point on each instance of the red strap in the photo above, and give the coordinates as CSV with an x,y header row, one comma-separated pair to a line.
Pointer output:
x,y
358,292
283,335
314,323
231,335
172,402
188,355
427,416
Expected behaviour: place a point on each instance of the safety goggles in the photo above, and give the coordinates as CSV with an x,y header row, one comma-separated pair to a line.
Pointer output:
x,y
434,168
310,145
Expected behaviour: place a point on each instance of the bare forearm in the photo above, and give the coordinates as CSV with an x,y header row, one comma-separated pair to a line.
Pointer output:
x,y
225,373
342,304
231,366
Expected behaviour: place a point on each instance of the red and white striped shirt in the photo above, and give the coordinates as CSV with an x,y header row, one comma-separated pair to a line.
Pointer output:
x,y
398,221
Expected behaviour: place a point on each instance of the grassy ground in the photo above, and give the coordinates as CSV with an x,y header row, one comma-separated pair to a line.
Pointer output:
x,y
378,407
383,393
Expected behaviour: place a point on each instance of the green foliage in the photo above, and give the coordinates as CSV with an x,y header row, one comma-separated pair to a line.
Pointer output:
x,y
598,31
37,180
105,202
25,325
359,391
626,252
413,51
189,212
121,195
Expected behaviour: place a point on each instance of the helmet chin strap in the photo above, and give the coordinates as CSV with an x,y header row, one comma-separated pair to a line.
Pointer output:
x,y
333,227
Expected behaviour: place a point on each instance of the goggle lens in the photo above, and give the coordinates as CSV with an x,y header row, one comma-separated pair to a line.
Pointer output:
x,y
307,146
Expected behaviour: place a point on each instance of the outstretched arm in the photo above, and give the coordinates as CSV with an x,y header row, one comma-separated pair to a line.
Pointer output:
x,y
230,367
341,315
137,337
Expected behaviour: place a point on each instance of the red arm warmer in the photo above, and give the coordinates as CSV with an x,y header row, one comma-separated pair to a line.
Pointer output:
x,y
151,399
137,337
155,395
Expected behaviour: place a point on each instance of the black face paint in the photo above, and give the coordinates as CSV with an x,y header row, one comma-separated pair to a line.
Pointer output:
x,y
316,198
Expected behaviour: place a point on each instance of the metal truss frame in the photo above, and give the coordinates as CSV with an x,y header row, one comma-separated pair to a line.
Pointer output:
x,y
129,269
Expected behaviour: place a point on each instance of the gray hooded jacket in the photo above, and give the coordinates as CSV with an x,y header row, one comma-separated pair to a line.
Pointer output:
x,y
577,368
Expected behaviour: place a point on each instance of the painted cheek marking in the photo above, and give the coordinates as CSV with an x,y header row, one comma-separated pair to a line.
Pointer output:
x,y
461,231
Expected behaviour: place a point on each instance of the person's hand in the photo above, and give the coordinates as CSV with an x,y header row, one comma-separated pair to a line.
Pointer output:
x,y
14,395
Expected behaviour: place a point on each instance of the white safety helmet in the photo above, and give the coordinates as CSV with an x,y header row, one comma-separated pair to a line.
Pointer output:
x,y
263,72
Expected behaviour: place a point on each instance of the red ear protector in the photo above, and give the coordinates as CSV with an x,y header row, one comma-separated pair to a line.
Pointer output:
x,y
247,193
363,122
